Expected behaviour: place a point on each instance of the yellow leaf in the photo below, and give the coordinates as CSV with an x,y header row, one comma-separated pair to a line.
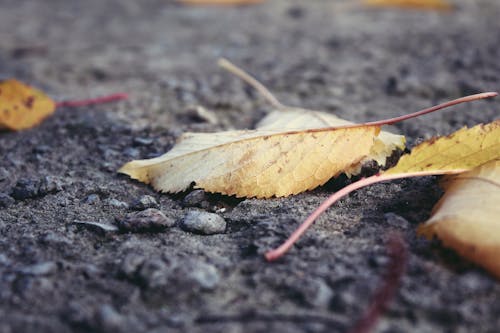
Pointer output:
x,y
421,4
22,106
463,150
291,151
459,152
466,218
220,2
301,119
256,163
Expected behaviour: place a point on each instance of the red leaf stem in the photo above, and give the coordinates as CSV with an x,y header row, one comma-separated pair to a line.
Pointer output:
x,y
93,101
398,255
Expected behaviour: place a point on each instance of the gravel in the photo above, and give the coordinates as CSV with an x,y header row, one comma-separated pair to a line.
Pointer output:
x,y
201,222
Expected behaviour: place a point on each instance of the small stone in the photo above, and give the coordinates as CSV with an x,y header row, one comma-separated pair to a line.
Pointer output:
x,y
92,199
102,228
131,264
201,222
44,268
132,152
4,260
196,198
205,275
150,219
109,320
296,12
144,202
154,273
25,189
4,174
396,221
41,149
49,184
142,141
117,203
6,200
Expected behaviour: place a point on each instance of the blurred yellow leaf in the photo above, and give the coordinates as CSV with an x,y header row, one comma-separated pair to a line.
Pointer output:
x,y
22,106
419,4
220,2
467,218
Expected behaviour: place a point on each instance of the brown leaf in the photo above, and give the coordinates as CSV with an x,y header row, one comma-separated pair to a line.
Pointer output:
x,y
22,106
466,218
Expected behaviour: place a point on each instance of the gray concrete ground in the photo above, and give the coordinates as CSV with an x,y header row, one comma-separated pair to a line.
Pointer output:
x,y
58,274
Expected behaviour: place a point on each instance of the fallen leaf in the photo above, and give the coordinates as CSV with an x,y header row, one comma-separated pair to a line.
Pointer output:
x,y
255,163
22,106
466,218
301,119
459,152
220,2
465,149
419,4
291,151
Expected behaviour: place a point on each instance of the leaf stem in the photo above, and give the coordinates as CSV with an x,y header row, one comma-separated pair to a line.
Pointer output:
x,y
465,99
232,68
388,287
93,101
283,248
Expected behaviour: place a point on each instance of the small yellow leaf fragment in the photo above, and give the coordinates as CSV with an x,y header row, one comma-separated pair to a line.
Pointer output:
x,y
220,2
466,218
22,106
465,149
417,4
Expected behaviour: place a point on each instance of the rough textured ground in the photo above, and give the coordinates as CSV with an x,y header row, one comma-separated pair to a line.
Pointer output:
x,y
58,275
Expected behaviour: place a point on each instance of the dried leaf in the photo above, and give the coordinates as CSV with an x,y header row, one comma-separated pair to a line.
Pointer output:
x,y
22,106
466,218
291,151
463,150
220,2
256,163
300,119
459,152
419,4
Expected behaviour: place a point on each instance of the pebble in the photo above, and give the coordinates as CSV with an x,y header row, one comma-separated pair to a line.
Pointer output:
x,y
131,264
117,203
201,222
6,200
396,221
144,202
154,273
142,141
25,189
4,174
30,188
132,152
150,219
97,226
109,320
205,275
43,268
196,198
92,199
49,184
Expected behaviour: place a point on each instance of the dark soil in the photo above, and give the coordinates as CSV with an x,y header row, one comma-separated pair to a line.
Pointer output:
x,y
64,266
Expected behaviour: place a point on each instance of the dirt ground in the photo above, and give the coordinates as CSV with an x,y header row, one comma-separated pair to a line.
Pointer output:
x,y
59,273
